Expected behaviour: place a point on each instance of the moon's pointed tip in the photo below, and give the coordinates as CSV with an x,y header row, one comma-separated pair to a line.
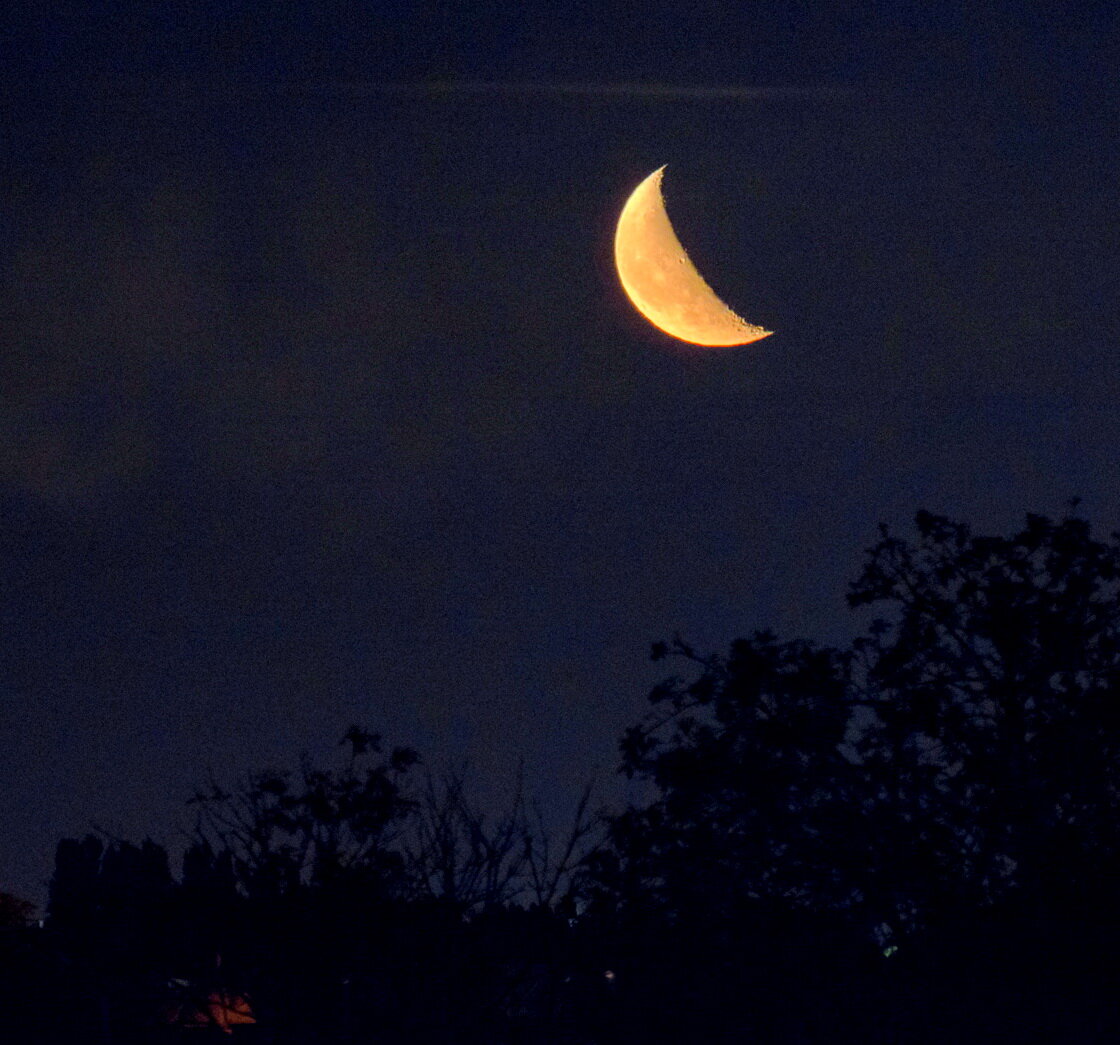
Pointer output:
x,y
757,336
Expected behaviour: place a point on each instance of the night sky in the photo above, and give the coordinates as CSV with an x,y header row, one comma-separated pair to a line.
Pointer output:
x,y
320,401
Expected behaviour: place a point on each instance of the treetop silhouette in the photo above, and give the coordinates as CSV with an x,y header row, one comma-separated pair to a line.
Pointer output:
x,y
965,751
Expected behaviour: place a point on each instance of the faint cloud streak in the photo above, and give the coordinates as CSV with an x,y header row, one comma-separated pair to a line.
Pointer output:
x,y
669,92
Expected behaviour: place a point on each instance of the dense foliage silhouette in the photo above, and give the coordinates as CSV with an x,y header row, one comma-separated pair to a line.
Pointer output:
x,y
943,792
913,838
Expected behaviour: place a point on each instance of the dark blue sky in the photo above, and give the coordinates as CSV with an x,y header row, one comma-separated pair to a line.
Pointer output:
x,y
320,403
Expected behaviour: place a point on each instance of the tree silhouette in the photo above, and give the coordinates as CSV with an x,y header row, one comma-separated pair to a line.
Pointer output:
x,y
994,687
912,838
317,827
358,896
454,851
946,789
753,784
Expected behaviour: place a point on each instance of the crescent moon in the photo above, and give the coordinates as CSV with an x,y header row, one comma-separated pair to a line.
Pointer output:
x,y
661,281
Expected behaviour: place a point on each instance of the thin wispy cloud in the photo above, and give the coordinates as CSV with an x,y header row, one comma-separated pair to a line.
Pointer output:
x,y
219,92
729,92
